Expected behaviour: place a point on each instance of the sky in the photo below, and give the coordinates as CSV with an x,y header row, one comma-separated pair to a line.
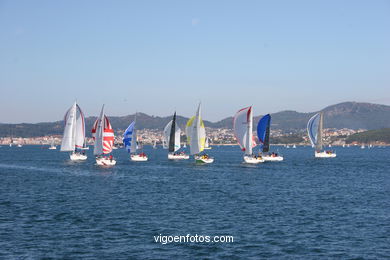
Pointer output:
x,y
159,56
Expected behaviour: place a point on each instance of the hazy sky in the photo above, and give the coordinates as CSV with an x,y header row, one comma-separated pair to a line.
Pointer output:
x,y
157,56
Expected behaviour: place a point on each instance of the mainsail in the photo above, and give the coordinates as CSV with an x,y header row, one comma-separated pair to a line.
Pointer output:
x,y
74,132
263,130
196,133
172,135
103,134
242,125
314,130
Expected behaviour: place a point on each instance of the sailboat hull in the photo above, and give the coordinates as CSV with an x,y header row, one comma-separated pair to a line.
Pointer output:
x,y
253,160
270,158
324,154
138,158
103,161
178,156
202,159
78,157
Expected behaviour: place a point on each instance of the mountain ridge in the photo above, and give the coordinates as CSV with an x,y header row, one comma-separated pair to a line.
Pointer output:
x,y
353,115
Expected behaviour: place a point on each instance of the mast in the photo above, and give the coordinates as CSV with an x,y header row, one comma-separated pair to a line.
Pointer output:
x,y
319,133
171,148
99,124
249,132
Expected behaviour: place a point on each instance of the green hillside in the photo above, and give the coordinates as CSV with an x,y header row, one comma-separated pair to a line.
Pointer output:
x,y
372,136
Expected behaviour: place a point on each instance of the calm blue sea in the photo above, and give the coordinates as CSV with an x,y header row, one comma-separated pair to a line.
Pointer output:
x,y
302,208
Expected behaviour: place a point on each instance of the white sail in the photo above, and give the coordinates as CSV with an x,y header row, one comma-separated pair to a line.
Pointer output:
x,y
242,126
68,139
167,133
98,135
133,145
80,128
196,133
314,130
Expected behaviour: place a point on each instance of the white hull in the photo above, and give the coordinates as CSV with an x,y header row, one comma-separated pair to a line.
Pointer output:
x,y
78,157
103,161
52,148
138,158
202,159
207,148
253,160
324,154
270,158
178,156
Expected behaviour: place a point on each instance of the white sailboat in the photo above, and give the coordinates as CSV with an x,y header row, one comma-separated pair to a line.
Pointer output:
x,y
52,145
103,135
207,144
242,126
172,137
314,130
155,144
130,142
263,133
196,137
74,134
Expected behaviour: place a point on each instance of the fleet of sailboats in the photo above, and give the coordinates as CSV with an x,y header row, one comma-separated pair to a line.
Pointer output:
x,y
242,126
74,140
314,130
130,142
196,138
103,136
74,134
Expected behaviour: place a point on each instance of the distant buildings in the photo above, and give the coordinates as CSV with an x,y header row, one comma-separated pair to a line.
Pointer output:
x,y
217,136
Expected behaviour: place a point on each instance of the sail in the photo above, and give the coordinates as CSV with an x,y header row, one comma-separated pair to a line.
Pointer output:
x,y
314,130
196,133
167,137
174,136
103,134
242,126
80,128
68,140
128,138
263,130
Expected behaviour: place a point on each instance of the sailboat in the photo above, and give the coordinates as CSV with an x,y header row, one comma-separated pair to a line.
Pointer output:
x,y
314,130
242,126
164,144
74,134
263,132
52,145
196,137
172,137
103,135
207,144
155,144
130,142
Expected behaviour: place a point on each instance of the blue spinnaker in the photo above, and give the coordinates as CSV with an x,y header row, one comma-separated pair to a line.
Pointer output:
x,y
127,136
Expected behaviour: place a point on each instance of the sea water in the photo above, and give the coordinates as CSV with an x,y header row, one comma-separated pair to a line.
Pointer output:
x,y
299,208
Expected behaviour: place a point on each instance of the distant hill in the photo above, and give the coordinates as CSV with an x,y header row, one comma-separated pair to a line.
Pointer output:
x,y
351,115
371,136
